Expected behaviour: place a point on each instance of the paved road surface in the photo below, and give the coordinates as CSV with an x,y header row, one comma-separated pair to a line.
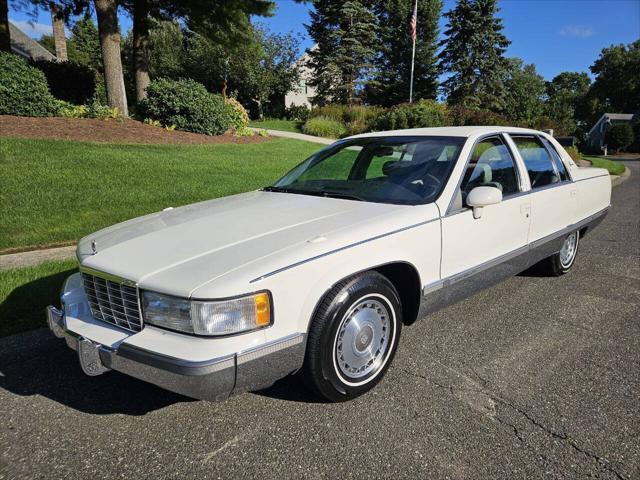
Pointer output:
x,y
537,377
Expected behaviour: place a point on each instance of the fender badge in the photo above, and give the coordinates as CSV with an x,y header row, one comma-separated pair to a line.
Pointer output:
x,y
94,248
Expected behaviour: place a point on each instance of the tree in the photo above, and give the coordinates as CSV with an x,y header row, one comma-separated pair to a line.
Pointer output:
x,y
393,64
5,40
84,44
472,55
524,92
345,33
565,99
619,136
258,71
616,87
59,39
109,31
141,47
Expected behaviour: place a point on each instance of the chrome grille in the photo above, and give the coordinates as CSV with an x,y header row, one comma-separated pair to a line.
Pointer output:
x,y
113,302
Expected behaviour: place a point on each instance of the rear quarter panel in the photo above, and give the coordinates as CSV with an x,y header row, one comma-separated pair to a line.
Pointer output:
x,y
593,186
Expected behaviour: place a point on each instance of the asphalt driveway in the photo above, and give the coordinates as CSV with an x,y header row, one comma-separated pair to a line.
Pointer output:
x,y
537,377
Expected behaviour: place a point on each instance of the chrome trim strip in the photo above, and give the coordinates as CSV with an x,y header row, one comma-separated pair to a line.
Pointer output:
x,y
330,252
455,278
590,178
107,276
175,365
269,348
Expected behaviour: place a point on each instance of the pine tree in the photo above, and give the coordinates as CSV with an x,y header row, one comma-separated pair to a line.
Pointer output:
x,y
473,55
393,65
345,33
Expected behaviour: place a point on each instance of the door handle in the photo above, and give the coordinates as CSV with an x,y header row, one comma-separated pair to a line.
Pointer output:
x,y
525,208
574,193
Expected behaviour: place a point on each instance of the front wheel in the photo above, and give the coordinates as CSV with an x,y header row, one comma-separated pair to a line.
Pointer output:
x,y
353,337
561,262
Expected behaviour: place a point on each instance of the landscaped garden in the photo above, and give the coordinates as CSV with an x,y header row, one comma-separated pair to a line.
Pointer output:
x,y
57,191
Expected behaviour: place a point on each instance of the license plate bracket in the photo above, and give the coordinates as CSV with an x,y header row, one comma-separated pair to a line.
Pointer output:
x,y
89,356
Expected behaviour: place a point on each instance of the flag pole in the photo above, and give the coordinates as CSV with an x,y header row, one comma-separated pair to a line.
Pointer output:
x,y
413,52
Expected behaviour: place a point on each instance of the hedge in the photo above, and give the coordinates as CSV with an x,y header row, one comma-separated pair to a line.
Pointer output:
x,y
24,90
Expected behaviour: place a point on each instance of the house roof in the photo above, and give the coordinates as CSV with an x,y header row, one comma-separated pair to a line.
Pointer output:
x,y
24,45
619,116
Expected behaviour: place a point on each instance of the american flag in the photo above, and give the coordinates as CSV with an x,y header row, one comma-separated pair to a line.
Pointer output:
x,y
413,23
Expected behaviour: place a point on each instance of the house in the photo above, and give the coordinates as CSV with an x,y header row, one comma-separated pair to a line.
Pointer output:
x,y
303,92
595,138
22,44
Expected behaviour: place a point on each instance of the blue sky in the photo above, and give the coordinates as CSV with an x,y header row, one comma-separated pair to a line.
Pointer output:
x,y
555,35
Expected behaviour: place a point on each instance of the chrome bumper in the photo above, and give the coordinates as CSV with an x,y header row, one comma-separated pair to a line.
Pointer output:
x,y
214,379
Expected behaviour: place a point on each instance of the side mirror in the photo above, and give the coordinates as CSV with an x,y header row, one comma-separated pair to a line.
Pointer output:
x,y
481,197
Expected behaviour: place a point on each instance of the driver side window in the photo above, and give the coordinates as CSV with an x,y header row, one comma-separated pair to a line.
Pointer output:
x,y
491,165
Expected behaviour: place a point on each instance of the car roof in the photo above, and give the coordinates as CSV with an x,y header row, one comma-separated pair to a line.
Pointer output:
x,y
447,131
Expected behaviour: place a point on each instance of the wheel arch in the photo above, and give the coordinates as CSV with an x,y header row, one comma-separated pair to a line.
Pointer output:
x,y
405,278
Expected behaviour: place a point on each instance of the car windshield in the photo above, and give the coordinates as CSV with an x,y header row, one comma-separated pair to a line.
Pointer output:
x,y
404,170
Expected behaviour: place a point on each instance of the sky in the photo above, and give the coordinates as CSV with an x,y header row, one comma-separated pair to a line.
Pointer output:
x,y
555,35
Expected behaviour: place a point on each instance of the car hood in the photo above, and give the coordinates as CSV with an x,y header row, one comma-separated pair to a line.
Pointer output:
x,y
178,250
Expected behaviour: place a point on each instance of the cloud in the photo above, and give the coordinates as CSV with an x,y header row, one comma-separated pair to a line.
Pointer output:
x,y
579,31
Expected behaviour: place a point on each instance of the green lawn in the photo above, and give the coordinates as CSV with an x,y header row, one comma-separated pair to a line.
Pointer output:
x,y
275,124
614,168
56,191
25,293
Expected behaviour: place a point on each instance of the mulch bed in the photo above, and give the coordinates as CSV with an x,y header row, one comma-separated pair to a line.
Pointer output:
x,y
108,131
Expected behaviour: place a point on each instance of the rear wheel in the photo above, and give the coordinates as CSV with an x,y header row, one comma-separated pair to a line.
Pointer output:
x,y
353,337
561,262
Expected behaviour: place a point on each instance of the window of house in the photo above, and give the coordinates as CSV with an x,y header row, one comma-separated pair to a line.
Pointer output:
x,y
537,160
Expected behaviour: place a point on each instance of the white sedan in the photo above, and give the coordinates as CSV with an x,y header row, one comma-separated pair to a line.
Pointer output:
x,y
318,272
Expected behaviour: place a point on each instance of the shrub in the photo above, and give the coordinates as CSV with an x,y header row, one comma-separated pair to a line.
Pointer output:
x,y
574,153
333,111
299,113
619,136
423,113
187,105
24,90
461,116
238,116
69,81
68,110
324,127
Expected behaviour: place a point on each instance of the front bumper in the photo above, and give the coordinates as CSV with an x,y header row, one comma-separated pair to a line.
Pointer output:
x,y
214,379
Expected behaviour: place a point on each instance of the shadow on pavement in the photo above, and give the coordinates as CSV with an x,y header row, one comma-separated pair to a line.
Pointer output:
x,y
291,389
37,363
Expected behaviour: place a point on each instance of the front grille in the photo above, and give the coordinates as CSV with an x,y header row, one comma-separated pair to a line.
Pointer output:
x,y
113,302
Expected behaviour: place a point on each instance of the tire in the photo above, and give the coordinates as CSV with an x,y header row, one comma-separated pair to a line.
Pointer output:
x,y
354,316
561,262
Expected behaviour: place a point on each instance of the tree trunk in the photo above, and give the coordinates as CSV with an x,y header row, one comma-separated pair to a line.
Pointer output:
x,y
141,47
109,31
60,41
5,40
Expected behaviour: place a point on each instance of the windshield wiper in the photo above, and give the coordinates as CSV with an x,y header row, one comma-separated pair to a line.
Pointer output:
x,y
344,196
315,193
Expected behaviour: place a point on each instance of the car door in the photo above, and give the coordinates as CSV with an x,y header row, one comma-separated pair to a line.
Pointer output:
x,y
552,195
479,252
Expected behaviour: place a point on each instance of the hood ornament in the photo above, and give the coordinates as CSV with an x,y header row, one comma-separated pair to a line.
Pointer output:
x,y
94,248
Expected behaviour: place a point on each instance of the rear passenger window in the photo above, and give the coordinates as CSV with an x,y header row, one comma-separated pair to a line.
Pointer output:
x,y
490,165
556,158
537,160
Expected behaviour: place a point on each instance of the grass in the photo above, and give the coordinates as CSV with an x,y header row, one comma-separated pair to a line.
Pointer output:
x,y
54,191
275,124
25,293
614,168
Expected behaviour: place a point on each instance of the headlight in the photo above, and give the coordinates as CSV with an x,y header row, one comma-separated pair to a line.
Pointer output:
x,y
222,317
